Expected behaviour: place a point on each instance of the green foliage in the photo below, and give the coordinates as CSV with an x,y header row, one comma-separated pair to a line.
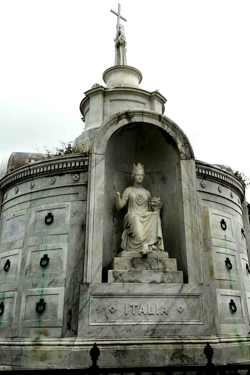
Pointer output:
x,y
65,148
242,178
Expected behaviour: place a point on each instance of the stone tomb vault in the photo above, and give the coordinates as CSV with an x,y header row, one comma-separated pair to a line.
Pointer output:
x,y
164,150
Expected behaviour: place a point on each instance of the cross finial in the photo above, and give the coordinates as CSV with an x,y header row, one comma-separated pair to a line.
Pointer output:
x,y
120,40
118,16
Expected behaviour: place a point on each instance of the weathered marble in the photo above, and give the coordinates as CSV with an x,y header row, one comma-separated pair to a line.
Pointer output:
x,y
120,311
120,46
141,225
56,187
136,261
145,311
144,276
134,267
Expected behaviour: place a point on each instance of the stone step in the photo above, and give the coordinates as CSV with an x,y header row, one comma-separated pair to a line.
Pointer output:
x,y
136,261
144,276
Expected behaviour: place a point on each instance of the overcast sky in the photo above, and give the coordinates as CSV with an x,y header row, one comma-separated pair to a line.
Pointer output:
x,y
195,52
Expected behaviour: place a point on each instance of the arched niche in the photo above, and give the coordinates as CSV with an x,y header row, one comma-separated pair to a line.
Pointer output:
x,y
158,143
154,148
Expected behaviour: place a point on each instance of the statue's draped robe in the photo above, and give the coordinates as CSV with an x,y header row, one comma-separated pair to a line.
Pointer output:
x,y
140,226
120,55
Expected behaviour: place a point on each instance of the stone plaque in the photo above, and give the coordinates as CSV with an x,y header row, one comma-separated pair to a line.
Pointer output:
x,y
56,267
227,315
14,227
225,265
185,309
245,271
57,225
221,225
52,315
248,303
9,301
10,273
241,234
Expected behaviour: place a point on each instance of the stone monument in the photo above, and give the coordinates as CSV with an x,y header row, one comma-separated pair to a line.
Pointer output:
x,y
82,264
142,224
120,40
142,258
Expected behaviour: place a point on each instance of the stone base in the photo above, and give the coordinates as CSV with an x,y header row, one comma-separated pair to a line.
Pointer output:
x,y
73,353
134,267
159,261
144,276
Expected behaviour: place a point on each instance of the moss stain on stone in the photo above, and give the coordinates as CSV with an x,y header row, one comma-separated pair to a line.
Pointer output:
x,y
2,297
41,286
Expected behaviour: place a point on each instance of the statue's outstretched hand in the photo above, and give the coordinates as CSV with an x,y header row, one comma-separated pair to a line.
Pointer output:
x,y
119,201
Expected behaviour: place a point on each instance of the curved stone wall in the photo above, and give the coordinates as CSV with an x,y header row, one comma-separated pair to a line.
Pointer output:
x,y
224,231
41,247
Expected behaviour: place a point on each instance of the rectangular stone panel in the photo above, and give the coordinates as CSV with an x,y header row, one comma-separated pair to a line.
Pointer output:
x,y
56,266
224,244
58,225
147,309
125,311
225,297
248,304
245,272
9,301
145,276
122,105
241,234
222,265
222,225
10,262
53,313
14,227
135,261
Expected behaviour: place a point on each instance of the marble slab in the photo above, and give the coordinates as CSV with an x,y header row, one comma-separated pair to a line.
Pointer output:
x,y
145,276
136,261
122,311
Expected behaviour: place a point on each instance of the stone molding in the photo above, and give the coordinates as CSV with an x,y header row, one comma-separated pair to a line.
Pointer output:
x,y
142,116
118,90
215,174
54,166
75,342
122,76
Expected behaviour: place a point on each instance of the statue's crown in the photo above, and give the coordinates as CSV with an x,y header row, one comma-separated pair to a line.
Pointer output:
x,y
138,168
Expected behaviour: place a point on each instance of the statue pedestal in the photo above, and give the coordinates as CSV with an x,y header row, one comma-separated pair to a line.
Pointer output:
x,y
122,76
133,267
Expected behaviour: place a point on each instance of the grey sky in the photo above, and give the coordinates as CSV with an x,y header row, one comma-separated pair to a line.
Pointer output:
x,y
195,52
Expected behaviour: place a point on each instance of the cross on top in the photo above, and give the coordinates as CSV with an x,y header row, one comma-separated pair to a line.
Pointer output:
x,y
118,16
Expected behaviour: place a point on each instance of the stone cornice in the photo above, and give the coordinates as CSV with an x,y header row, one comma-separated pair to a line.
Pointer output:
x,y
222,177
54,166
124,90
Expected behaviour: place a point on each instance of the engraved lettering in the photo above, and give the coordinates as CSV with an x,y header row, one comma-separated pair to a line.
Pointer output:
x,y
146,309
133,305
151,310
157,308
142,310
164,310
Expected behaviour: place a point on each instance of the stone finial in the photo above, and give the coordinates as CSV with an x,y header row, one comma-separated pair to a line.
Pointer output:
x,y
120,39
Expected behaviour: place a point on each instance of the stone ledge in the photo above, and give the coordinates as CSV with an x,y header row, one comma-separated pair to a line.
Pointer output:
x,y
135,261
216,174
44,168
144,276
